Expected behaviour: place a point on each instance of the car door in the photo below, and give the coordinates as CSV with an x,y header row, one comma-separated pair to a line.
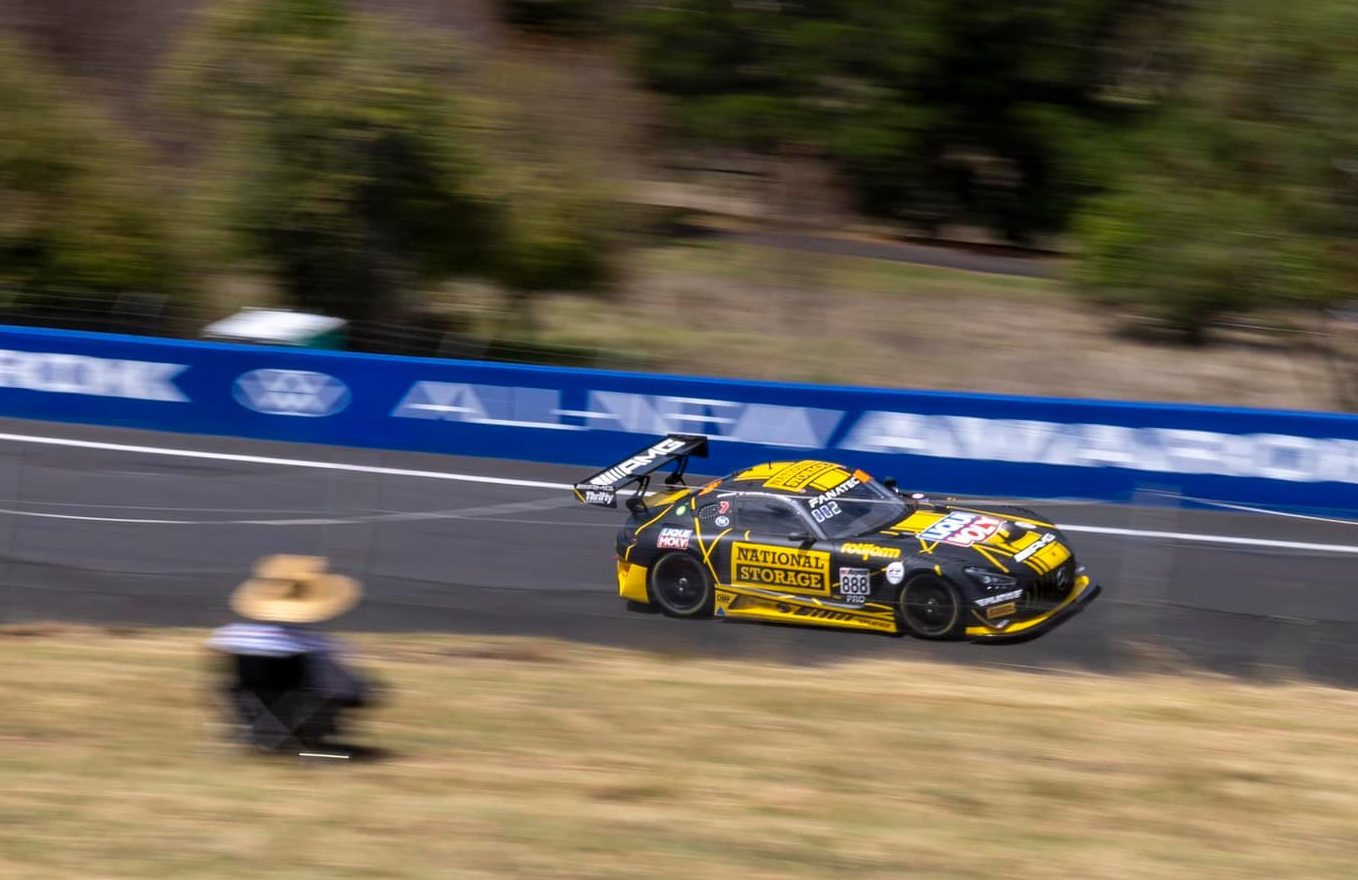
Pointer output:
x,y
761,552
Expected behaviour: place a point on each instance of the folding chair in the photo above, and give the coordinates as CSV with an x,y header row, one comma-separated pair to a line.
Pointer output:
x,y
273,706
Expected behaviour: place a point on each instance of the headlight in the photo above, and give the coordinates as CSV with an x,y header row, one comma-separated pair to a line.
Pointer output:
x,y
991,580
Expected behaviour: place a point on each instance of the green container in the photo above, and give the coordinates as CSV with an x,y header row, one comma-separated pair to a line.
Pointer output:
x,y
280,327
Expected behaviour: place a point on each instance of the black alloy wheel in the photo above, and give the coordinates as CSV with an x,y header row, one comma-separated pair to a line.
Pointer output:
x,y
929,608
681,586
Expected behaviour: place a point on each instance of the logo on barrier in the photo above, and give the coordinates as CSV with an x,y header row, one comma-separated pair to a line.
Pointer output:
x,y
1073,444
1063,444
80,374
291,393
595,410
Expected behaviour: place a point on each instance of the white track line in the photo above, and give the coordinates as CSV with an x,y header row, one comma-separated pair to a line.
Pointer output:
x,y
1213,539
541,484
286,462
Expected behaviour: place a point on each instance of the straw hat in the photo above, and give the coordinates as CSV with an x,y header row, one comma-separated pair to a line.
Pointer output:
x,y
294,589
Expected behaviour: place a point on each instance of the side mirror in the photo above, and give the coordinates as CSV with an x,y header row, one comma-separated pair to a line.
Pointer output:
x,y
803,538
890,483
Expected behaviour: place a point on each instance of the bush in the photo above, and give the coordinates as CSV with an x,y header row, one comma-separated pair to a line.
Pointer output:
x,y
83,223
344,159
934,113
1235,196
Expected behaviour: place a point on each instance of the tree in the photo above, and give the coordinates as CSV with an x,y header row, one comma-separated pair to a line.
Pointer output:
x,y
344,159
1241,192
564,17
562,227
935,111
81,221
558,237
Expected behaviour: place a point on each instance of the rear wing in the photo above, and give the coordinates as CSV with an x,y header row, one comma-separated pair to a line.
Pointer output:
x,y
602,488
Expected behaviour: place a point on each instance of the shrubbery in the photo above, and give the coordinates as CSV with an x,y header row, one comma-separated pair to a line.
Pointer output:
x,y
82,216
1242,192
934,112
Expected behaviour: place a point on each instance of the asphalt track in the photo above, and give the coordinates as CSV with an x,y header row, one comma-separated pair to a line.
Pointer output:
x,y
108,525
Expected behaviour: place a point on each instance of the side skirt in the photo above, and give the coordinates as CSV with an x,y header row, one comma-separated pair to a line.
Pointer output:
x,y
745,603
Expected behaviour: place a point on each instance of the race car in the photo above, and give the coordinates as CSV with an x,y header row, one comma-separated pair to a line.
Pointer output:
x,y
817,543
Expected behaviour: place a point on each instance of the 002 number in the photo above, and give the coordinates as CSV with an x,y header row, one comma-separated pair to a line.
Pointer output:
x,y
823,513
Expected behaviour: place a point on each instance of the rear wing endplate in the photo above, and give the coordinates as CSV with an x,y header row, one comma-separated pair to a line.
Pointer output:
x,y
602,488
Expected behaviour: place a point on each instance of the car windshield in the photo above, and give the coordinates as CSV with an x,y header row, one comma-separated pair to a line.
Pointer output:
x,y
856,507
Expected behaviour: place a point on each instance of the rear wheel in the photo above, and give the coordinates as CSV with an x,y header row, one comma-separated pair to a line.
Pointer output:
x,y
929,607
681,587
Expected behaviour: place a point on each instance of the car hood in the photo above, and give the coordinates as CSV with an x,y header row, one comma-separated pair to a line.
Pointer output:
x,y
991,538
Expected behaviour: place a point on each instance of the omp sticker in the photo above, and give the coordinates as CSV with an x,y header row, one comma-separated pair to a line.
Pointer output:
x,y
869,551
760,565
794,477
673,539
855,584
962,529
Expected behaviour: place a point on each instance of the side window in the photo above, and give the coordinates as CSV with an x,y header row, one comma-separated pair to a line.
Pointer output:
x,y
768,516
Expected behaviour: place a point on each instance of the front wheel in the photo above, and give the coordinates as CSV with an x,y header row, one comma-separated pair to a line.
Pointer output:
x,y
929,607
681,586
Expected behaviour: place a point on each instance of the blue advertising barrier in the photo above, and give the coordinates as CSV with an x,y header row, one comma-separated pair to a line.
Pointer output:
x,y
931,441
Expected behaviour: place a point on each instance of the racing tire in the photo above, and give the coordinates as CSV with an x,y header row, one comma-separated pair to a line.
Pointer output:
x,y
929,607
680,586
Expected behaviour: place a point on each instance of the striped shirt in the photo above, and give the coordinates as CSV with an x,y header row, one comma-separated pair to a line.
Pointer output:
x,y
270,640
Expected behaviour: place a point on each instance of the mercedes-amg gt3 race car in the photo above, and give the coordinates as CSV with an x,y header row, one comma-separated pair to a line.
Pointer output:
x,y
816,543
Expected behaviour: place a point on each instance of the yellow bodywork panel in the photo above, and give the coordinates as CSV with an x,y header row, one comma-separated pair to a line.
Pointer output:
x,y
794,476
668,498
741,604
632,582
762,472
1049,558
918,521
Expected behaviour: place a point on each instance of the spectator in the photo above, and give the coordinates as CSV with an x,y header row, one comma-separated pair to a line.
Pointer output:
x,y
286,682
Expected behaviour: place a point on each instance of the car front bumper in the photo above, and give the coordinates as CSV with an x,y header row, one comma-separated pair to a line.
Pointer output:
x,y
1084,592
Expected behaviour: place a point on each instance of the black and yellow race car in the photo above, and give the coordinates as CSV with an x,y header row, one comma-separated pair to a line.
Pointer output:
x,y
816,543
